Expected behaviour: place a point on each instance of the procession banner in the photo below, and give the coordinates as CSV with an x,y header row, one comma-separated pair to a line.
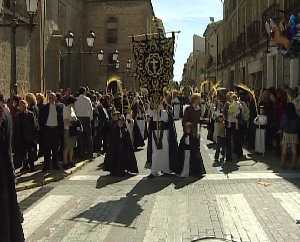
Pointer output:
x,y
154,58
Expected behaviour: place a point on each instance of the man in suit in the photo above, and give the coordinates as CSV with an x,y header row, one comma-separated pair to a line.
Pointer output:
x,y
51,117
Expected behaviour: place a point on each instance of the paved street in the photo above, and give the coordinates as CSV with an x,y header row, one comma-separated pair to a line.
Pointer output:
x,y
248,203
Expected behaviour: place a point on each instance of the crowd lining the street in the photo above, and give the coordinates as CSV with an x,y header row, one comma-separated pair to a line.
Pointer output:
x,y
61,124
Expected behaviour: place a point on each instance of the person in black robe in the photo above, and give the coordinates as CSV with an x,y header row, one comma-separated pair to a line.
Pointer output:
x,y
189,155
138,140
11,216
120,158
26,131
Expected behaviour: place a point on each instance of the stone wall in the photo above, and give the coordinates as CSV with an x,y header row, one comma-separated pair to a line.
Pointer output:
x,y
23,55
42,62
62,16
133,18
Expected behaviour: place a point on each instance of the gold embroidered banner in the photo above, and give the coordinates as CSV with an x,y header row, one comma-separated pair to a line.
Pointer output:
x,y
154,60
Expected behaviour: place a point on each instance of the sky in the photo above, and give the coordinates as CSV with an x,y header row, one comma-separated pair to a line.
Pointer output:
x,y
190,17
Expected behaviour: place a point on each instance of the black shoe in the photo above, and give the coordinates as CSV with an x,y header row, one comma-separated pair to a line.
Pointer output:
x,y
24,169
46,169
32,169
150,176
57,168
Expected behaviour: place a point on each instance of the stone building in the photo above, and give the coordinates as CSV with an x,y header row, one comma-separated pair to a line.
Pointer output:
x,y
115,22
213,41
44,63
25,58
243,56
194,68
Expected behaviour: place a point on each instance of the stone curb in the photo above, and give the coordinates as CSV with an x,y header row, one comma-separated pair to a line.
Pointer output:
x,y
80,165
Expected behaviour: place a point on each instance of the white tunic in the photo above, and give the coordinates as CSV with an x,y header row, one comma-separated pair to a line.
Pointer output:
x,y
187,155
160,157
260,145
176,108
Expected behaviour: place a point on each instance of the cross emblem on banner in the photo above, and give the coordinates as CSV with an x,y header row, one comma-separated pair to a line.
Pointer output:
x,y
154,64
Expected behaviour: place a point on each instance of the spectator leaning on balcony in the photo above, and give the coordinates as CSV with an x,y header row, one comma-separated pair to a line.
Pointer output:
x,y
84,112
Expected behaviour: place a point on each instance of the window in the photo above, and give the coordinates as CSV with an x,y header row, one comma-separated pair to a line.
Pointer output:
x,y
6,4
62,16
112,30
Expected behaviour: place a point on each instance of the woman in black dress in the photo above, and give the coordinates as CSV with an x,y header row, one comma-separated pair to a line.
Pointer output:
x,y
120,158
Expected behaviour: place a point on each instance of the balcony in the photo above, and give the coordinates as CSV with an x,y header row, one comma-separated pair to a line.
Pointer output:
x,y
272,12
254,33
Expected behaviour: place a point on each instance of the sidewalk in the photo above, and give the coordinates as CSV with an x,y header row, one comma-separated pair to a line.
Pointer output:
x,y
38,178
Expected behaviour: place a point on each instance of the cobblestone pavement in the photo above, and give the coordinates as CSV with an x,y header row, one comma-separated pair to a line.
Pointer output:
x,y
250,203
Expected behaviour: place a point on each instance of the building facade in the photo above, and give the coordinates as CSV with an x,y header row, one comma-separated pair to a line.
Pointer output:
x,y
23,50
243,55
194,68
116,22
213,42
44,62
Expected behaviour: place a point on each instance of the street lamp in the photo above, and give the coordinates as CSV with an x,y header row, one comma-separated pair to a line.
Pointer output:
x,y
115,55
15,22
90,40
128,65
117,64
69,39
100,56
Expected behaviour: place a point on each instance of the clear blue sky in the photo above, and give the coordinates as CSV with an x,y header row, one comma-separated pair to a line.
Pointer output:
x,y
190,17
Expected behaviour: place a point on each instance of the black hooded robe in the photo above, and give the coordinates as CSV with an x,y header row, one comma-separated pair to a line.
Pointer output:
x,y
120,156
137,136
10,214
196,162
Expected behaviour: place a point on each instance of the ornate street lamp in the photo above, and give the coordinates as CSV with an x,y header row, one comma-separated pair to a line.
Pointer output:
x,y
116,55
90,40
117,64
100,56
69,39
129,64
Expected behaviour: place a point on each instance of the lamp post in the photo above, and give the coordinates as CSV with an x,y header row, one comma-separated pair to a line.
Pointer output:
x,y
69,39
15,22
128,68
90,40
90,43
115,56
